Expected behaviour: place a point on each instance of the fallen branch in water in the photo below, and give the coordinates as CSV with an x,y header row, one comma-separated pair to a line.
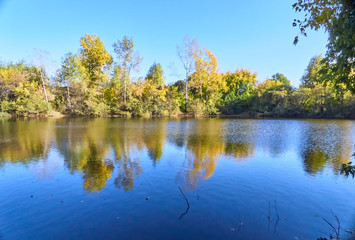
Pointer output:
x,y
187,202
277,213
269,219
336,230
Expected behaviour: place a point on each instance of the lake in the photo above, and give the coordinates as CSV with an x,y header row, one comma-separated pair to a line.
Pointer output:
x,y
174,178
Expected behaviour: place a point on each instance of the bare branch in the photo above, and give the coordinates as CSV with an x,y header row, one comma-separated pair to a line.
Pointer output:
x,y
187,202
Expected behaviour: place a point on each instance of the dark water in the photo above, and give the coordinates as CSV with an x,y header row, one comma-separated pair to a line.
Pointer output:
x,y
90,178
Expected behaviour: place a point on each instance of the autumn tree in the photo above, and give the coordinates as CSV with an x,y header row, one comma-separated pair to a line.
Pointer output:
x,y
96,62
95,59
128,60
207,78
21,89
187,54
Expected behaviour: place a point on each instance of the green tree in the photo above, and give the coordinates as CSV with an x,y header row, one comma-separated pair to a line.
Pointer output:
x,y
337,18
281,78
156,74
312,74
113,91
75,87
240,87
318,72
173,100
240,84
69,71
271,99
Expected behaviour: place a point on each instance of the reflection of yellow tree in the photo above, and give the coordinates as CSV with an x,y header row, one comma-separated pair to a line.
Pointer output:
x,y
123,140
326,143
154,137
96,169
204,145
24,140
84,145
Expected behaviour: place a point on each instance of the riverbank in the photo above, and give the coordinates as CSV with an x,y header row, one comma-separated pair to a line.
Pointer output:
x,y
182,115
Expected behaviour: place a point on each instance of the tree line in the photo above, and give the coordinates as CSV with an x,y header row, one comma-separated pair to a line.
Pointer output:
x,y
94,83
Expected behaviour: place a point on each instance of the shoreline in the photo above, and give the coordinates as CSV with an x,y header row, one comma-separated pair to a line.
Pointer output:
x,y
222,116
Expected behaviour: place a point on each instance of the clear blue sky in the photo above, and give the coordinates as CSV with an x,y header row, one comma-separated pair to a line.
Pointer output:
x,y
256,35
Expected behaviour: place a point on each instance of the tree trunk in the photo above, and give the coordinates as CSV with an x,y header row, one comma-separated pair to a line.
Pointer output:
x,y
68,96
201,92
207,93
125,91
44,86
186,93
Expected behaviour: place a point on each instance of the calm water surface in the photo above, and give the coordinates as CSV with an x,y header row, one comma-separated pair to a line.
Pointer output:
x,y
120,178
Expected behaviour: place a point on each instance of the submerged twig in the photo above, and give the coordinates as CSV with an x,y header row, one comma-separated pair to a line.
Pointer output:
x,y
187,202
278,218
337,219
277,213
335,229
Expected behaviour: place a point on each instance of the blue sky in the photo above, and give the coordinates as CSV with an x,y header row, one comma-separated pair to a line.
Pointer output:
x,y
256,35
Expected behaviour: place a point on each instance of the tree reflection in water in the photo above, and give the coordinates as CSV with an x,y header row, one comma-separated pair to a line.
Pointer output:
x,y
325,145
102,148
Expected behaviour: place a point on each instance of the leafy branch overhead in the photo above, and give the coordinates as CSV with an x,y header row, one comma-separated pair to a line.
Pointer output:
x,y
337,18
